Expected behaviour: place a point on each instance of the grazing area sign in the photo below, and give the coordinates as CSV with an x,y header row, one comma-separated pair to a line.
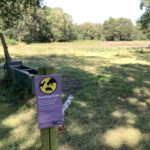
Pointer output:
x,y
48,95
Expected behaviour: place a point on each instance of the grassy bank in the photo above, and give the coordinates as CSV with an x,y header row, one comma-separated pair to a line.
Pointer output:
x,y
112,96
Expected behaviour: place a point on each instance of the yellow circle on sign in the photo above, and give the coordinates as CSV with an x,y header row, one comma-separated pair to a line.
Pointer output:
x,y
48,85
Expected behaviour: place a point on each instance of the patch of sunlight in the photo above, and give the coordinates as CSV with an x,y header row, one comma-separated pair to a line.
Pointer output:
x,y
141,91
130,121
90,115
147,101
31,138
89,69
82,104
146,91
120,136
130,79
26,139
132,100
139,104
132,60
123,54
117,114
17,119
142,105
23,128
137,91
65,147
19,132
123,60
130,117
75,128
146,82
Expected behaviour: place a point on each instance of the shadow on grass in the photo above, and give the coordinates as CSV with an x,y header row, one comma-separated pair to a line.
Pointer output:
x,y
1,60
62,61
17,117
142,54
110,111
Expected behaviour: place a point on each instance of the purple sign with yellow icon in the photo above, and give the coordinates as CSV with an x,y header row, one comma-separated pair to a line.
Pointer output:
x,y
48,96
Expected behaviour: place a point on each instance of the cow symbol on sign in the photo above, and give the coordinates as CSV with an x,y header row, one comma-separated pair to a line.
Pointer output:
x,y
48,85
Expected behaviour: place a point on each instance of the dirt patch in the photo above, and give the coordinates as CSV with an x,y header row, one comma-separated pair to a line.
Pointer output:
x,y
126,44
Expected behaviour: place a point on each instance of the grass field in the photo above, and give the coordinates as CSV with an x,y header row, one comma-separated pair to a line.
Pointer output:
x,y
111,110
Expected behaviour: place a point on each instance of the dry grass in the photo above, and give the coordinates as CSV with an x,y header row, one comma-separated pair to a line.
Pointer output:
x,y
111,109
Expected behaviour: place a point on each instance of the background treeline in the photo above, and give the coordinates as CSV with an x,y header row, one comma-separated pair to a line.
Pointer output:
x,y
48,25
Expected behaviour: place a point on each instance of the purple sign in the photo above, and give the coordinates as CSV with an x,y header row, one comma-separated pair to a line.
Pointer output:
x,y
48,96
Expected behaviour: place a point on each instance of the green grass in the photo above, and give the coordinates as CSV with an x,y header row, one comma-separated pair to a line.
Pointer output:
x,y
111,107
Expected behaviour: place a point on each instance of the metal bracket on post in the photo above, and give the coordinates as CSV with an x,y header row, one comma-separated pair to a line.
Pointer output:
x,y
67,104
64,108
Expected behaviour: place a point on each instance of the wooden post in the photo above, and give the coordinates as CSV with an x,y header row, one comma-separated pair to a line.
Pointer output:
x,y
49,136
6,53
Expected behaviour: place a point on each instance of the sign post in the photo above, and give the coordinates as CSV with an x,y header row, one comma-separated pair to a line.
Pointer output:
x,y
49,107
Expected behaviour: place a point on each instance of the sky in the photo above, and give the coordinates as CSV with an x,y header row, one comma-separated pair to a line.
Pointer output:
x,y
97,11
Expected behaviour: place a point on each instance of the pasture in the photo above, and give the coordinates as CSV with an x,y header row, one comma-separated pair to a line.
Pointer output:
x,y
110,82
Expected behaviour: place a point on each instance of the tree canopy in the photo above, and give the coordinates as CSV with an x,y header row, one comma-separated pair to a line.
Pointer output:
x,y
145,18
60,25
30,21
89,31
12,11
118,29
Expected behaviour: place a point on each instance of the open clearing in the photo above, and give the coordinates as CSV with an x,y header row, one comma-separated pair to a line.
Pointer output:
x,y
111,110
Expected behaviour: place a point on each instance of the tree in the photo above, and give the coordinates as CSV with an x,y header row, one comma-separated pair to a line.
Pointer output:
x,y
138,34
60,25
89,31
38,27
118,29
19,30
12,11
23,30
43,25
125,29
109,29
145,18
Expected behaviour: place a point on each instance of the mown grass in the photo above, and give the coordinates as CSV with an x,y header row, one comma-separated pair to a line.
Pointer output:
x,y
111,106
